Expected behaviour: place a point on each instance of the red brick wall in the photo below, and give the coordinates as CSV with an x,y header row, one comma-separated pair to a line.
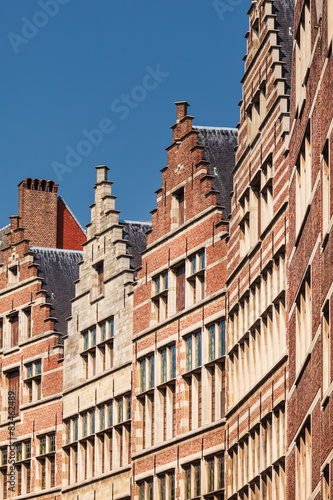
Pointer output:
x,y
69,234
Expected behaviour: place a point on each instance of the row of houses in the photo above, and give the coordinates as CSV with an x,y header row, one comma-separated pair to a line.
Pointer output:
x,y
188,357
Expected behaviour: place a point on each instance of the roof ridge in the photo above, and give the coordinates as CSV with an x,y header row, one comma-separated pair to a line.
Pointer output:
x,y
58,250
203,127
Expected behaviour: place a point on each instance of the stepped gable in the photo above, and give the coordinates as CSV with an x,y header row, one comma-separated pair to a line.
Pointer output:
x,y
188,178
135,234
219,150
58,269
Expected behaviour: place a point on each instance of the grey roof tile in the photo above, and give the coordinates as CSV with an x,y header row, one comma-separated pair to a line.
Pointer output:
x,y
58,269
219,144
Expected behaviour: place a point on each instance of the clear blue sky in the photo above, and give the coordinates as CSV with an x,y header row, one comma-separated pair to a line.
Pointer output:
x,y
70,68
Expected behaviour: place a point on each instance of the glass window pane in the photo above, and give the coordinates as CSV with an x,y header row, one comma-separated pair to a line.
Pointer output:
x,y
211,342
199,349
110,414
189,353
143,375
173,361
164,365
38,367
151,372
103,332
202,260
102,417
76,429
93,337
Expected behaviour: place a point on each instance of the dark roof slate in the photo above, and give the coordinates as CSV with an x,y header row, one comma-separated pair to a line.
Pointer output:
x,y
219,145
284,22
3,239
58,269
135,233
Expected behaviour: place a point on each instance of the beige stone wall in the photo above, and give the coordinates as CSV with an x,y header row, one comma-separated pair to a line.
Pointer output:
x,y
98,369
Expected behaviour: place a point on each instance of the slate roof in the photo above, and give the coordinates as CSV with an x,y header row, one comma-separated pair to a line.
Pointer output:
x,y
134,233
284,22
219,144
3,239
58,269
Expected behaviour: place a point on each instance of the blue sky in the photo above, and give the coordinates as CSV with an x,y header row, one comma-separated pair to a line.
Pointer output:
x,y
73,66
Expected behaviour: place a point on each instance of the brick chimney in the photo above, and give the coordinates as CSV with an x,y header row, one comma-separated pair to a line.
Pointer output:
x,y
38,211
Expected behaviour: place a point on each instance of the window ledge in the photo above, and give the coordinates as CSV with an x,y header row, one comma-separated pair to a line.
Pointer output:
x,y
40,401
39,493
97,479
179,314
167,383
99,297
182,437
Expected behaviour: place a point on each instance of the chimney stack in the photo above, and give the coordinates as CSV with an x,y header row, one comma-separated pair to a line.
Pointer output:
x,y
38,211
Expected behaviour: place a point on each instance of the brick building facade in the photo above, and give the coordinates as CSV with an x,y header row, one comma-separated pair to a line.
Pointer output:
x,y
195,361
257,326
36,277
309,436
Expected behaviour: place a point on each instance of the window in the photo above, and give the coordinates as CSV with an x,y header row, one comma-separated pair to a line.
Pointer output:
x,y
160,296
100,277
14,329
326,186
13,275
147,373
303,321
46,461
84,425
255,34
168,363
3,471
303,179
1,334
97,348
215,473
266,200
193,345
303,463
326,483
13,379
178,209
33,381
196,276
23,467
192,473
244,224
180,288
107,330
146,489
27,323
326,348
120,405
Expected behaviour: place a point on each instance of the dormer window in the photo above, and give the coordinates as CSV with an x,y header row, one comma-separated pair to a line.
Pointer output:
x,y
255,34
13,275
100,277
178,208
